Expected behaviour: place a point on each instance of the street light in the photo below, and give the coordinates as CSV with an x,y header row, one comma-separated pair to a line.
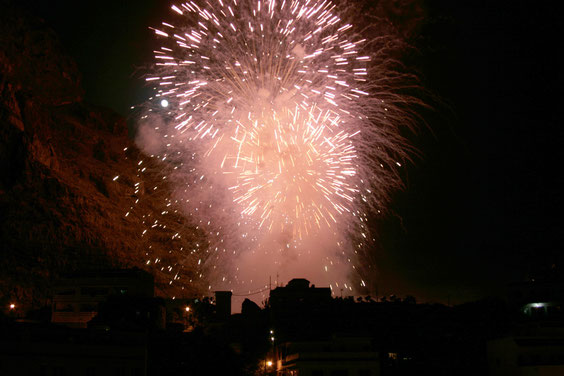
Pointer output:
x,y
267,363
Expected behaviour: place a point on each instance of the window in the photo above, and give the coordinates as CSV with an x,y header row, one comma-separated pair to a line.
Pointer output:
x,y
63,307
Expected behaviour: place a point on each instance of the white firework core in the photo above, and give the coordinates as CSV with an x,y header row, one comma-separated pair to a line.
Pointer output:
x,y
278,141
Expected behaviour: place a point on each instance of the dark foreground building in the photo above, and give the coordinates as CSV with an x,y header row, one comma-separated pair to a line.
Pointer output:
x,y
33,349
107,323
535,344
336,356
307,339
78,297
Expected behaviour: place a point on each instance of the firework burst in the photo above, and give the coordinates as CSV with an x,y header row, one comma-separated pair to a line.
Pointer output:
x,y
278,124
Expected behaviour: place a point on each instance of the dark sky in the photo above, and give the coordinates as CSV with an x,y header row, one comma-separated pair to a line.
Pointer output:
x,y
108,40
482,205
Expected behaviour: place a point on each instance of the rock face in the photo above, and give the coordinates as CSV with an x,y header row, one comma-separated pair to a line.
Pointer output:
x,y
60,207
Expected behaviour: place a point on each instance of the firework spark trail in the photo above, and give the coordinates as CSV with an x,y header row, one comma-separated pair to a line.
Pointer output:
x,y
281,132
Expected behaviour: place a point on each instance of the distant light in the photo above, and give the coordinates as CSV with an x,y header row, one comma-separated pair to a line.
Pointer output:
x,y
538,305
164,103
12,306
187,309
269,363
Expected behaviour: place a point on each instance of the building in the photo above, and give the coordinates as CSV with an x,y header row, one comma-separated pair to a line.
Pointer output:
x,y
338,356
298,291
536,345
299,311
309,338
536,291
77,297
33,349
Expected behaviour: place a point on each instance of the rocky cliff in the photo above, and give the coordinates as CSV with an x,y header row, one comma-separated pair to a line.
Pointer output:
x,y
61,206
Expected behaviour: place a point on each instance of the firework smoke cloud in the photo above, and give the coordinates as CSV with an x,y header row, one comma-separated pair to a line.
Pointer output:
x,y
277,124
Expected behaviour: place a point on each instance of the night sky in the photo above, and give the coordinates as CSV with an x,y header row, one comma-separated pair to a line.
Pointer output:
x,y
482,203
